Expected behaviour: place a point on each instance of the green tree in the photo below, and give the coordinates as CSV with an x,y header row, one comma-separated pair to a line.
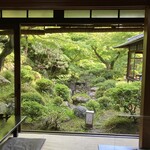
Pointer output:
x,y
102,44
46,55
32,109
126,96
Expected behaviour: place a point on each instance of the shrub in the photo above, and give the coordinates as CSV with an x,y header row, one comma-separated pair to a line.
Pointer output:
x,y
27,74
32,109
109,84
55,116
37,75
107,74
116,122
32,96
58,101
7,93
119,125
63,91
4,81
105,86
97,80
104,102
27,87
8,75
126,96
92,105
100,92
44,85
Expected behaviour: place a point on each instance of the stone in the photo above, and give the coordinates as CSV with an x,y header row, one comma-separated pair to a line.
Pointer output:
x,y
80,111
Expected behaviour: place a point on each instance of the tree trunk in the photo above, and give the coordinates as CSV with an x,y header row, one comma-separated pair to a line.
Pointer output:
x,y
109,65
101,58
8,48
112,63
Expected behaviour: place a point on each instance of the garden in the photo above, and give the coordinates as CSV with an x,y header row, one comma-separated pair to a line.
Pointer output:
x,y
65,74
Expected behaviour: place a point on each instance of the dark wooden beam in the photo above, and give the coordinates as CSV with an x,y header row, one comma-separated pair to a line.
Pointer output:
x,y
128,66
144,140
33,32
68,4
65,30
17,57
67,21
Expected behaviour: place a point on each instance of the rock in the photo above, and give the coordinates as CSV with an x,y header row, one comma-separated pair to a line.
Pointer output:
x,y
79,98
4,81
92,92
80,111
94,89
72,106
3,108
65,103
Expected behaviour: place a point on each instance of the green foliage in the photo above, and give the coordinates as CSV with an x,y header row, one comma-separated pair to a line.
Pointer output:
x,y
68,58
107,74
37,75
78,36
55,116
98,80
8,75
87,64
32,110
109,84
58,100
44,85
74,125
102,45
120,125
92,105
32,96
63,91
9,59
8,126
105,86
104,102
47,56
126,96
27,74
27,87
62,79
7,93
116,122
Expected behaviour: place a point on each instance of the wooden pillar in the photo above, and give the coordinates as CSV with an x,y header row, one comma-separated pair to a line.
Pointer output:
x,y
144,139
128,65
17,76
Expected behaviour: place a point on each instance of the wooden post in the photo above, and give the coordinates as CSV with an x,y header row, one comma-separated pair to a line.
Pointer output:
x,y
17,76
128,65
144,139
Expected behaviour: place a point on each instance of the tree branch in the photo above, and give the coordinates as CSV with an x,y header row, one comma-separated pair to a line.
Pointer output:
x,y
8,48
114,60
100,57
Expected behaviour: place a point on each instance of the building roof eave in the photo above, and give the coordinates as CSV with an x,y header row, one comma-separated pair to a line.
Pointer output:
x,y
130,41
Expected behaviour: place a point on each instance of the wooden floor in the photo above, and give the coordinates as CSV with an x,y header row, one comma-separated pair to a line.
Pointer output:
x,y
80,142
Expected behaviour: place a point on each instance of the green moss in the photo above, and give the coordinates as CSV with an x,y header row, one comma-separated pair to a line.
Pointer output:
x,y
120,125
7,126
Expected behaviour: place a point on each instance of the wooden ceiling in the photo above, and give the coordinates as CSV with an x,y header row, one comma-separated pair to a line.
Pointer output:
x,y
81,24
73,4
